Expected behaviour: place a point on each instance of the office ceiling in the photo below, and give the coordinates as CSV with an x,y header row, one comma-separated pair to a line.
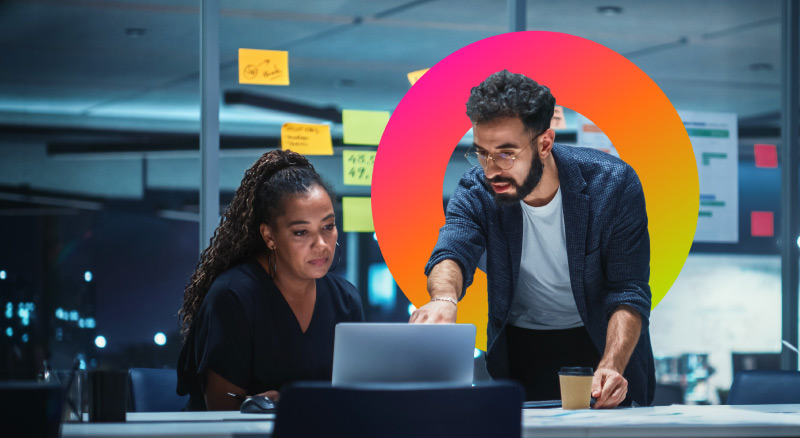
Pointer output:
x,y
125,72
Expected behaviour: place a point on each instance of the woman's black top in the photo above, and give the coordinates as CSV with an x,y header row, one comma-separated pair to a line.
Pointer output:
x,y
246,332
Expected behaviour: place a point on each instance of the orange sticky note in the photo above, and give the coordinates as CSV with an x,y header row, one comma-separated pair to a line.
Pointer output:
x,y
306,139
766,155
263,67
762,223
414,76
591,128
558,121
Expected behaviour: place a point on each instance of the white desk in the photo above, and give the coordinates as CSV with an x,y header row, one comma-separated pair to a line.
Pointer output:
x,y
658,422
221,424
665,422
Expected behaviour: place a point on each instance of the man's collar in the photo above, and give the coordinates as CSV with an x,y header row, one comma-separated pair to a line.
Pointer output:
x,y
569,174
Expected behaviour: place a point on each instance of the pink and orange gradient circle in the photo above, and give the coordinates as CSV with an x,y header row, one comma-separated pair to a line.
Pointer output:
x,y
585,76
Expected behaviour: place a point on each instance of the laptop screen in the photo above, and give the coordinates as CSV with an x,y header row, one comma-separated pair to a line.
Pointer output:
x,y
403,353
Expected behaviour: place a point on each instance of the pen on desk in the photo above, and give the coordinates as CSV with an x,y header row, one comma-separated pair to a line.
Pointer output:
x,y
237,396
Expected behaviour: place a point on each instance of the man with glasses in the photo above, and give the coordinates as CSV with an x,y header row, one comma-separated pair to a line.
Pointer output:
x,y
564,230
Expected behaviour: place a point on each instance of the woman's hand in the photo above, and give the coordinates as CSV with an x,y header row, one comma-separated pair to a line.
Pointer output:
x,y
217,398
216,393
272,395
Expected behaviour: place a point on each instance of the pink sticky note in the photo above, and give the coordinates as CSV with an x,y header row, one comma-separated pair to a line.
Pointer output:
x,y
766,155
762,223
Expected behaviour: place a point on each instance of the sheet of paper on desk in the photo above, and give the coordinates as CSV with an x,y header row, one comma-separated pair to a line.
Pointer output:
x,y
736,415
664,415
554,417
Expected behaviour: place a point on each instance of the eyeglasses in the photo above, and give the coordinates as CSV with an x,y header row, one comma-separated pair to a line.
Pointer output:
x,y
503,160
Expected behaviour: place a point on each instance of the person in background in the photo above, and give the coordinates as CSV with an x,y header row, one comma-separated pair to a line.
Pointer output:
x,y
567,251
261,306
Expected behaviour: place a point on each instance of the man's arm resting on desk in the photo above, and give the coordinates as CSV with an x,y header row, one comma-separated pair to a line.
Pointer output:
x,y
445,281
608,385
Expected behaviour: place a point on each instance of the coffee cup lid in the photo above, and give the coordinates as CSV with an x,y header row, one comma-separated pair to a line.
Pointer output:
x,y
576,371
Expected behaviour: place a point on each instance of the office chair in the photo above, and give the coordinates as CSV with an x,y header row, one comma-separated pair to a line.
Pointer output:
x,y
153,390
30,408
668,394
313,409
758,387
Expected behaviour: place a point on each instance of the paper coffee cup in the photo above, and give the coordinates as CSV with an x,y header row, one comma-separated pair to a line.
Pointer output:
x,y
576,387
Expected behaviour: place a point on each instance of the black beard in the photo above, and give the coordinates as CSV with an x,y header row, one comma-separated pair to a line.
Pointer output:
x,y
530,183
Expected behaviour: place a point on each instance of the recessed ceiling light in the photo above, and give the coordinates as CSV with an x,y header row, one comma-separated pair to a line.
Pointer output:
x,y
609,11
135,32
761,66
344,83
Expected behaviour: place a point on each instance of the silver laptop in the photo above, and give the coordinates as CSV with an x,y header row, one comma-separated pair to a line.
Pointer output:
x,y
403,353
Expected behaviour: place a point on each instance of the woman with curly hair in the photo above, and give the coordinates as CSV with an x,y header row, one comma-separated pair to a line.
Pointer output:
x,y
260,308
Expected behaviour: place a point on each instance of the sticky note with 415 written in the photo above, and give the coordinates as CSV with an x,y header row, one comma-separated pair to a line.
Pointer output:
x,y
263,67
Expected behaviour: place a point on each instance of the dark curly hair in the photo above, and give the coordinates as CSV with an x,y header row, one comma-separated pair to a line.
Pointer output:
x,y
506,94
259,199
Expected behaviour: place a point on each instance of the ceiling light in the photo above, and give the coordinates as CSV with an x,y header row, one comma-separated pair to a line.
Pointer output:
x,y
344,83
135,32
609,11
761,66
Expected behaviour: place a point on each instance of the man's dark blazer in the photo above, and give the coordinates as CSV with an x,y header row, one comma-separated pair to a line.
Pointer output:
x,y
608,251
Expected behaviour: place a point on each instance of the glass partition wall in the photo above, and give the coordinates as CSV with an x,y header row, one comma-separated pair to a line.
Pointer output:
x,y
100,164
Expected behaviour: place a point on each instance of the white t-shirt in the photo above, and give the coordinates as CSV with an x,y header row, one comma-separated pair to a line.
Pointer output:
x,y
543,299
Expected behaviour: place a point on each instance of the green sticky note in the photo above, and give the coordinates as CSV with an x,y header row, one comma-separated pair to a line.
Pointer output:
x,y
357,214
364,127
357,167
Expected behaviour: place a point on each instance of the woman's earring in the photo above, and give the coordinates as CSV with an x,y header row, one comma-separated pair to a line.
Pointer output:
x,y
272,263
338,259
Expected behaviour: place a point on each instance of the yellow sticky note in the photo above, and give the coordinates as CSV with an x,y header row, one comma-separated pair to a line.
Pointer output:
x,y
306,139
263,67
414,76
357,214
364,127
558,121
357,167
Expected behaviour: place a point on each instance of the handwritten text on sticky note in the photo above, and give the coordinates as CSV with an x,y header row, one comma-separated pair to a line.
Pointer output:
x,y
306,139
263,67
414,76
363,127
358,166
357,212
